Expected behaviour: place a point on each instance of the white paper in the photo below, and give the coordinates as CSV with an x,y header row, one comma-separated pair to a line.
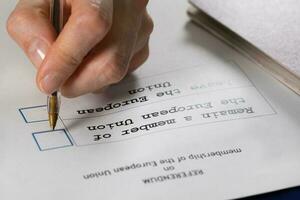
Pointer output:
x,y
197,121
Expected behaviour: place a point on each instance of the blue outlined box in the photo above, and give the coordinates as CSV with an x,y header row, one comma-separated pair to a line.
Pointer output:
x,y
48,140
34,114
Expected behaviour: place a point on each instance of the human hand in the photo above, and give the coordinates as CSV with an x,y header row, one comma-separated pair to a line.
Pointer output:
x,y
101,42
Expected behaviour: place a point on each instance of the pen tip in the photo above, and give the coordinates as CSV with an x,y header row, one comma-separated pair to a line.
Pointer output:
x,y
52,121
52,126
53,109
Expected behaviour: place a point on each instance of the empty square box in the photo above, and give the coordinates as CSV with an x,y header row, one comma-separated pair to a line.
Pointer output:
x,y
34,114
48,140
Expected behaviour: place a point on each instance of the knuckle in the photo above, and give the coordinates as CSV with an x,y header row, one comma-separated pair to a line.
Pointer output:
x,y
97,23
114,74
68,59
16,20
10,24
115,70
146,52
149,25
142,3
104,18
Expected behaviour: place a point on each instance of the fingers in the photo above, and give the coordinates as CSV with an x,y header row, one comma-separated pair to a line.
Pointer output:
x,y
90,77
101,42
29,26
110,61
107,64
107,67
146,29
142,45
88,24
139,58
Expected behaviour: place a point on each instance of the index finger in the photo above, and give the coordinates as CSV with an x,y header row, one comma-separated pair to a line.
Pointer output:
x,y
88,24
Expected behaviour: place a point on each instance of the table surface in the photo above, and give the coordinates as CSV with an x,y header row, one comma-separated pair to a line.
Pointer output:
x,y
287,194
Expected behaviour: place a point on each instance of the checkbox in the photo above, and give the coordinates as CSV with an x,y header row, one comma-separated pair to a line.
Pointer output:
x,y
48,140
34,114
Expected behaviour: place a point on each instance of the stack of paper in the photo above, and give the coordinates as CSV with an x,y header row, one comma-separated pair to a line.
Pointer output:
x,y
266,30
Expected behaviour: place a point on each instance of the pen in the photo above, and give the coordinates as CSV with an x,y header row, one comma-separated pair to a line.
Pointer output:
x,y
53,101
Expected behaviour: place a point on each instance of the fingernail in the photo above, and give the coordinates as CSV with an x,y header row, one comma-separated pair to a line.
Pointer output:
x,y
50,83
37,52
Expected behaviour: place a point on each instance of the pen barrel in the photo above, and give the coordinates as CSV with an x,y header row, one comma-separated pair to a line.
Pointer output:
x,y
53,104
57,14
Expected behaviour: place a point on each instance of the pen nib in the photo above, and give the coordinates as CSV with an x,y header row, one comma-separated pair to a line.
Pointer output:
x,y
52,120
53,109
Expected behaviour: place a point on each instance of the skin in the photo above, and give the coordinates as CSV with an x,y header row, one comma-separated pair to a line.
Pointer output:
x,y
101,42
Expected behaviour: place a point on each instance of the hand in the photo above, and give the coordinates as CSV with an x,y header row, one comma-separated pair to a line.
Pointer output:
x,y
101,42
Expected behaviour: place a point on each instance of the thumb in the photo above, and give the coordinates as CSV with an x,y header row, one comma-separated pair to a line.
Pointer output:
x,y
30,27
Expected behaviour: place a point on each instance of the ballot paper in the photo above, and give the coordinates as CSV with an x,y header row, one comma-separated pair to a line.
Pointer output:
x,y
197,121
